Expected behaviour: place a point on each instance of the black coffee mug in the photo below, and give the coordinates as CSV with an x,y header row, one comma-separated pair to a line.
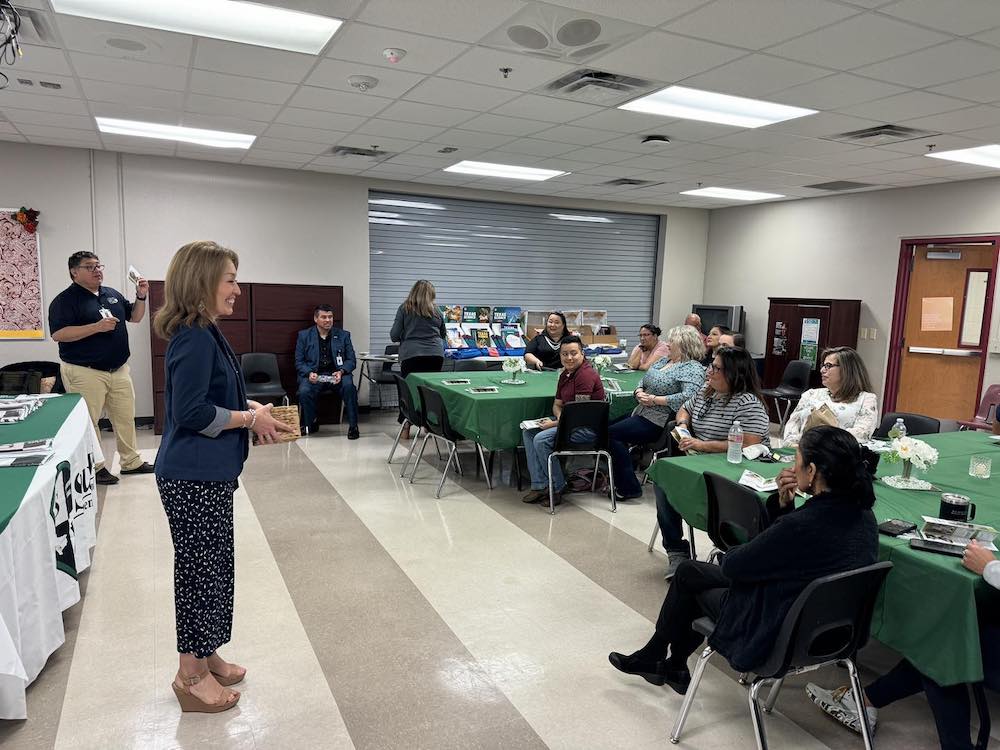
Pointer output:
x,y
956,508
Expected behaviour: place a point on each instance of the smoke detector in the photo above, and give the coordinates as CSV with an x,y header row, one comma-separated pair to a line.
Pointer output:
x,y
393,54
362,83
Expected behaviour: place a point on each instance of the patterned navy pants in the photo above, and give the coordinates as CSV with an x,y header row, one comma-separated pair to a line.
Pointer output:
x,y
200,515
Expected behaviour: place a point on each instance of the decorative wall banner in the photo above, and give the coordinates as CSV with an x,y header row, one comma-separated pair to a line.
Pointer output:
x,y
21,311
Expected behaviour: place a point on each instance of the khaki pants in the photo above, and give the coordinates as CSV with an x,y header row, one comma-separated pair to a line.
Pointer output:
x,y
112,391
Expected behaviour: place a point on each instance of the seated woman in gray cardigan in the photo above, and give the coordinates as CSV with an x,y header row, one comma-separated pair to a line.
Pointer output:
x,y
749,595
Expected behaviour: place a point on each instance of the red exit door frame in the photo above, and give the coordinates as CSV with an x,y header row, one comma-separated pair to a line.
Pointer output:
x,y
899,310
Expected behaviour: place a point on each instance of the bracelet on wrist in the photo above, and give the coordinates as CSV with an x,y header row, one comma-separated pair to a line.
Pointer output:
x,y
253,418
139,299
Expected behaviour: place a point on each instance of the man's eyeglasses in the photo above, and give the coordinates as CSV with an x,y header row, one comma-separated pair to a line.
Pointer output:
x,y
91,267
828,366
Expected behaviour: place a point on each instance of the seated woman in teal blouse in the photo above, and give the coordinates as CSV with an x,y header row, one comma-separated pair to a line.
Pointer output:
x,y
667,384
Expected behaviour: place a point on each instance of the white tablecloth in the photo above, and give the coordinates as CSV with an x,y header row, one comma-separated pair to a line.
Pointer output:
x,y
45,545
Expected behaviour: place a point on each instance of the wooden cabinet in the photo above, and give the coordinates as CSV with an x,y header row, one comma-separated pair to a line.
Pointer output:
x,y
266,318
837,321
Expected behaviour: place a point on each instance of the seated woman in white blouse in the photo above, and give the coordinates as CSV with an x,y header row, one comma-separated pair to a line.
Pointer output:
x,y
846,391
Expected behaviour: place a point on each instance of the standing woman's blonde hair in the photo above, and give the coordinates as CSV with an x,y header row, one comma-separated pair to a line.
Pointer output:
x,y
420,300
189,290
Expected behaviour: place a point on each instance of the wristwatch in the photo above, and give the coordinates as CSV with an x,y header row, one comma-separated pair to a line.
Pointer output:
x,y
140,299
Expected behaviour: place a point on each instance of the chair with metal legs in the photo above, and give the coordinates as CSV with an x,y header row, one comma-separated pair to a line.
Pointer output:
x,y
827,624
411,418
435,418
578,415
794,382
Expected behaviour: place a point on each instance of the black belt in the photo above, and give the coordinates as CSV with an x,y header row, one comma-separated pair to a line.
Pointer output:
x,y
99,369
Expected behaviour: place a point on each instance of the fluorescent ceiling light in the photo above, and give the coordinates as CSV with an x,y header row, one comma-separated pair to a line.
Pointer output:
x,y
984,156
707,106
213,138
405,204
232,20
578,217
507,171
731,194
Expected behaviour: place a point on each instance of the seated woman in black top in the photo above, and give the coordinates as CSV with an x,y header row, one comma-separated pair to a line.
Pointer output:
x,y
543,350
749,595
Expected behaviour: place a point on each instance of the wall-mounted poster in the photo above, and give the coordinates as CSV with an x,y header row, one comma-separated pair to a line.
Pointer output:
x,y
506,315
451,313
809,346
20,281
779,347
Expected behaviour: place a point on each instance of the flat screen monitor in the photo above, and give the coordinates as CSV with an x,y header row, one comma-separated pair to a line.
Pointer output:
x,y
731,316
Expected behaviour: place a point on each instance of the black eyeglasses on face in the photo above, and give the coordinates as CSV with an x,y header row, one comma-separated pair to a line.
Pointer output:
x,y
828,365
91,267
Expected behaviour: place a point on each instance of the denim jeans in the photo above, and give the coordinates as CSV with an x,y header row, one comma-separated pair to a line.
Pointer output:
x,y
308,393
671,523
626,431
537,449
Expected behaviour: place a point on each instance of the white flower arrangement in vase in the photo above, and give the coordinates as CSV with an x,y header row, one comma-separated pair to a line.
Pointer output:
x,y
913,453
601,362
513,365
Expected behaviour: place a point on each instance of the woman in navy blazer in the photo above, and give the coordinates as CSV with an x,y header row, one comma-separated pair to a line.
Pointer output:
x,y
205,442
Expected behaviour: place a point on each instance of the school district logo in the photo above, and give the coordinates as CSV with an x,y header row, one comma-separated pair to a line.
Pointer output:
x,y
112,300
72,495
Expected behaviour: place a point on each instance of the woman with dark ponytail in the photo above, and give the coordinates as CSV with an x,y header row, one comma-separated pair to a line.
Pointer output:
x,y
749,595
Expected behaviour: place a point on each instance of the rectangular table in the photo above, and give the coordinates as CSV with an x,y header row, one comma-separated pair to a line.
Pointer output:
x,y
927,608
493,419
47,529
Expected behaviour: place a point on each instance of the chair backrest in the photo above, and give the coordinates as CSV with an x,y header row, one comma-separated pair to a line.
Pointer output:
x,y
916,424
735,513
407,407
797,374
470,365
20,382
389,349
435,415
259,368
577,414
830,619
989,405
45,368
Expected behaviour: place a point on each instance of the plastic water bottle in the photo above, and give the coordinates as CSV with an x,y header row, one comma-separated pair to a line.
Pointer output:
x,y
898,430
734,454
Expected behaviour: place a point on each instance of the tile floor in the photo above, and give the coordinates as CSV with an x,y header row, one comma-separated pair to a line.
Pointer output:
x,y
371,615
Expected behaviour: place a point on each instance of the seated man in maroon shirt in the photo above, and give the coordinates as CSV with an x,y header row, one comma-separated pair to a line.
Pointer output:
x,y
578,381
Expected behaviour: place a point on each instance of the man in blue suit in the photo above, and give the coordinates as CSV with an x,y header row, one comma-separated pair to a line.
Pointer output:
x,y
324,361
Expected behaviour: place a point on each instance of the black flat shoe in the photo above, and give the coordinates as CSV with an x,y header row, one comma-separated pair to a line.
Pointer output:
x,y
620,498
678,679
143,468
353,434
650,671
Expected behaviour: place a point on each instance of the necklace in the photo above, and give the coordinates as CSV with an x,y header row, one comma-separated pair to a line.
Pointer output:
x,y
553,346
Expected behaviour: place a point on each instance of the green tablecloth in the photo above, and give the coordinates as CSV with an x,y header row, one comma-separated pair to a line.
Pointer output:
x,y
927,608
43,423
493,419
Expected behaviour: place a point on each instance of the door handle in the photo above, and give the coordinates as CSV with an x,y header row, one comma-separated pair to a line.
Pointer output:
x,y
945,352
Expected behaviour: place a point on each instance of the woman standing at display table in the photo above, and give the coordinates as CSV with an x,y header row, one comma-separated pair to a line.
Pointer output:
x,y
543,350
845,400
419,330
205,442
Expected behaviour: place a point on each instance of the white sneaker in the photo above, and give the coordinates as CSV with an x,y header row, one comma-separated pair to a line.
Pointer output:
x,y
840,705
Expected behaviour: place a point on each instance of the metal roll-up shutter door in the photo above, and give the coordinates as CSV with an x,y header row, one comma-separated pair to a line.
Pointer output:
x,y
481,253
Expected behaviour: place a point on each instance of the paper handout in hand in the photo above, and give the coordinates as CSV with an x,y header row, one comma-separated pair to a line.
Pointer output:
x,y
133,275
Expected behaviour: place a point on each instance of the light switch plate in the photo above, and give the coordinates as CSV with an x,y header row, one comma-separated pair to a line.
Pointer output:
x,y
864,333
871,333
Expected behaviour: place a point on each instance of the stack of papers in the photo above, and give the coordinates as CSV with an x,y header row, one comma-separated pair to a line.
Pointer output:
x,y
26,453
613,385
17,408
957,533
756,482
28,445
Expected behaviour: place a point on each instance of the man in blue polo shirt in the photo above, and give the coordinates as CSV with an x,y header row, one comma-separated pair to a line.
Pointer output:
x,y
324,361
88,321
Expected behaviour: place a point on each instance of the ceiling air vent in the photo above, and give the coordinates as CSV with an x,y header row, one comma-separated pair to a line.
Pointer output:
x,y
35,28
630,182
557,33
368,155
838,185
881,135
598,87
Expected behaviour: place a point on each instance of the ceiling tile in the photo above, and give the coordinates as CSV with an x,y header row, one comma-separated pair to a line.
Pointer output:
x,y
622,121
600,155
248,60
450,93
308,135
240,87
214,105
68,89
755,76
294,147
822,124
191,151
666,57
140,145
394,129
129,71
392,168
139,96
651,162
961,17
415,160
836,91
693,130
256,154
35,132
88,35
963,119
634,144
450,19
985,88
990,37
579,136
330,100
310,118
646,12
536,147
42,60
363,44
364,140
936,65
482,65
513,126
470,139
760,23
985,135
536,107
905,106
333,74
696,151
221,122
426,114
433,150
33,117
920,146
858,41
44,103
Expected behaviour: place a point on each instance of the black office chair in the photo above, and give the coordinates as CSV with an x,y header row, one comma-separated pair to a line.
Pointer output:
x,y
411,417
260,371
470,365
576,415
735,514
794,382
435,417
828,623
916,424
43,368
385,375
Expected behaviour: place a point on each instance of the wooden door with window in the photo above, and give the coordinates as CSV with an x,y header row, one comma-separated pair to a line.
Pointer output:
x,y
947,306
